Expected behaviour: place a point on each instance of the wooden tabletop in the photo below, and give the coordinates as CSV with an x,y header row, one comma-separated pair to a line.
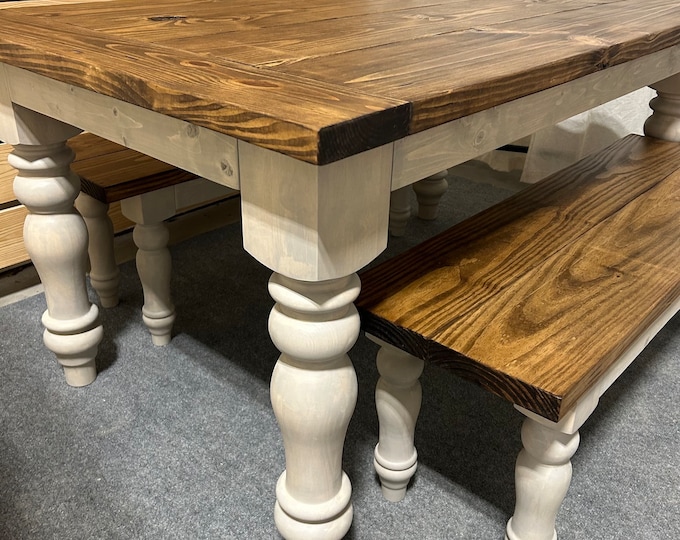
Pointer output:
x,y
332,78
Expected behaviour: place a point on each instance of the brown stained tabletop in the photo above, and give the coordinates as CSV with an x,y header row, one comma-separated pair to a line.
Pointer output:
x,y
324,80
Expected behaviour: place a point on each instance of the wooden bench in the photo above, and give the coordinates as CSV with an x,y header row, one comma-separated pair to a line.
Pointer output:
x,y
109,173
543,299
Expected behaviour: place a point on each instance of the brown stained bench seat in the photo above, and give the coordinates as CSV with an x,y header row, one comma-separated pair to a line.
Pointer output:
x,y
542,299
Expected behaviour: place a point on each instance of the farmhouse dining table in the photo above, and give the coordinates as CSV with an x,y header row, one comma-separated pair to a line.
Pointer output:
x,y
316,112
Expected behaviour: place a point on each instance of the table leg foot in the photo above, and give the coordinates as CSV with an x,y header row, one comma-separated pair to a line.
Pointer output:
x,y
292,527
313,392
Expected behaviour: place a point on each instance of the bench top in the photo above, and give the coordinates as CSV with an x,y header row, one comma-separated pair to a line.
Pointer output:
x,y
536,297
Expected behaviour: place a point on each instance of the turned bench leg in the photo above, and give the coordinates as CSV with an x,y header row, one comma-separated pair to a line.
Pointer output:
x,y
429,193
154,264
542,478
104,272
664,123
400,211
398,397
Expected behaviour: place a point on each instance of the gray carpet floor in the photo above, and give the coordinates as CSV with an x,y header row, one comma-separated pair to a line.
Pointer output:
x,y
180,442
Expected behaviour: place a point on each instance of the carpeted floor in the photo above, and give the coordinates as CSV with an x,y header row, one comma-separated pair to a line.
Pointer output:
x,y
180,442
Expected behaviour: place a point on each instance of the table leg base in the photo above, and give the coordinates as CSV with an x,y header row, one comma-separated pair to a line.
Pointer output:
x,y
291,529
76,354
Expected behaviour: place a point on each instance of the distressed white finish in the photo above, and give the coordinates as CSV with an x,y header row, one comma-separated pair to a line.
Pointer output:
x,y
104,273
154,263
307,222
665,120
55,237
428,152
542,478
313,392
398,396
304,222
429,193
204,152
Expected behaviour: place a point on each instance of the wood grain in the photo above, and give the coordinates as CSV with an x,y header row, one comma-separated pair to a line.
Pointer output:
x,y
323,82
110,172
536,297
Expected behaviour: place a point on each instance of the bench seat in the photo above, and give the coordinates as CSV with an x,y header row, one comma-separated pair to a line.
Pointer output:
x,y
539,295
538,299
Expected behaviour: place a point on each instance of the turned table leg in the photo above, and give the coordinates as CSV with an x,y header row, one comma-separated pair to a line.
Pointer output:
x,y
104,272
398,396
313,392
56,239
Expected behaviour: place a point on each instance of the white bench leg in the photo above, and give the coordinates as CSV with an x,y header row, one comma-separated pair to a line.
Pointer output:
x,y
154,264
398,396
104,272
55,237
664,123
542,478
429,193
313,393
400,211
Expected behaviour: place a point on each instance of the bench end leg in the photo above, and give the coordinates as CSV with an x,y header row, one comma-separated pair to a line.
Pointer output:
x,y
542,478
398,397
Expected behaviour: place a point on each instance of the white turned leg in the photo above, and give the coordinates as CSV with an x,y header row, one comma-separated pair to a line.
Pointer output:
x,y
104,272
400,211
398,396
664,123
542,478
154,266
313,392
55,237
429,193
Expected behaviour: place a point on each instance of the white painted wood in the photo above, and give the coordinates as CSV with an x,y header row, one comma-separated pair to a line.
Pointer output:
x,y
154,262
398,396
542,478
55,237
314,223
429,193
313,393
665,120
199,192
442,147
104,273
400,211
204,152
